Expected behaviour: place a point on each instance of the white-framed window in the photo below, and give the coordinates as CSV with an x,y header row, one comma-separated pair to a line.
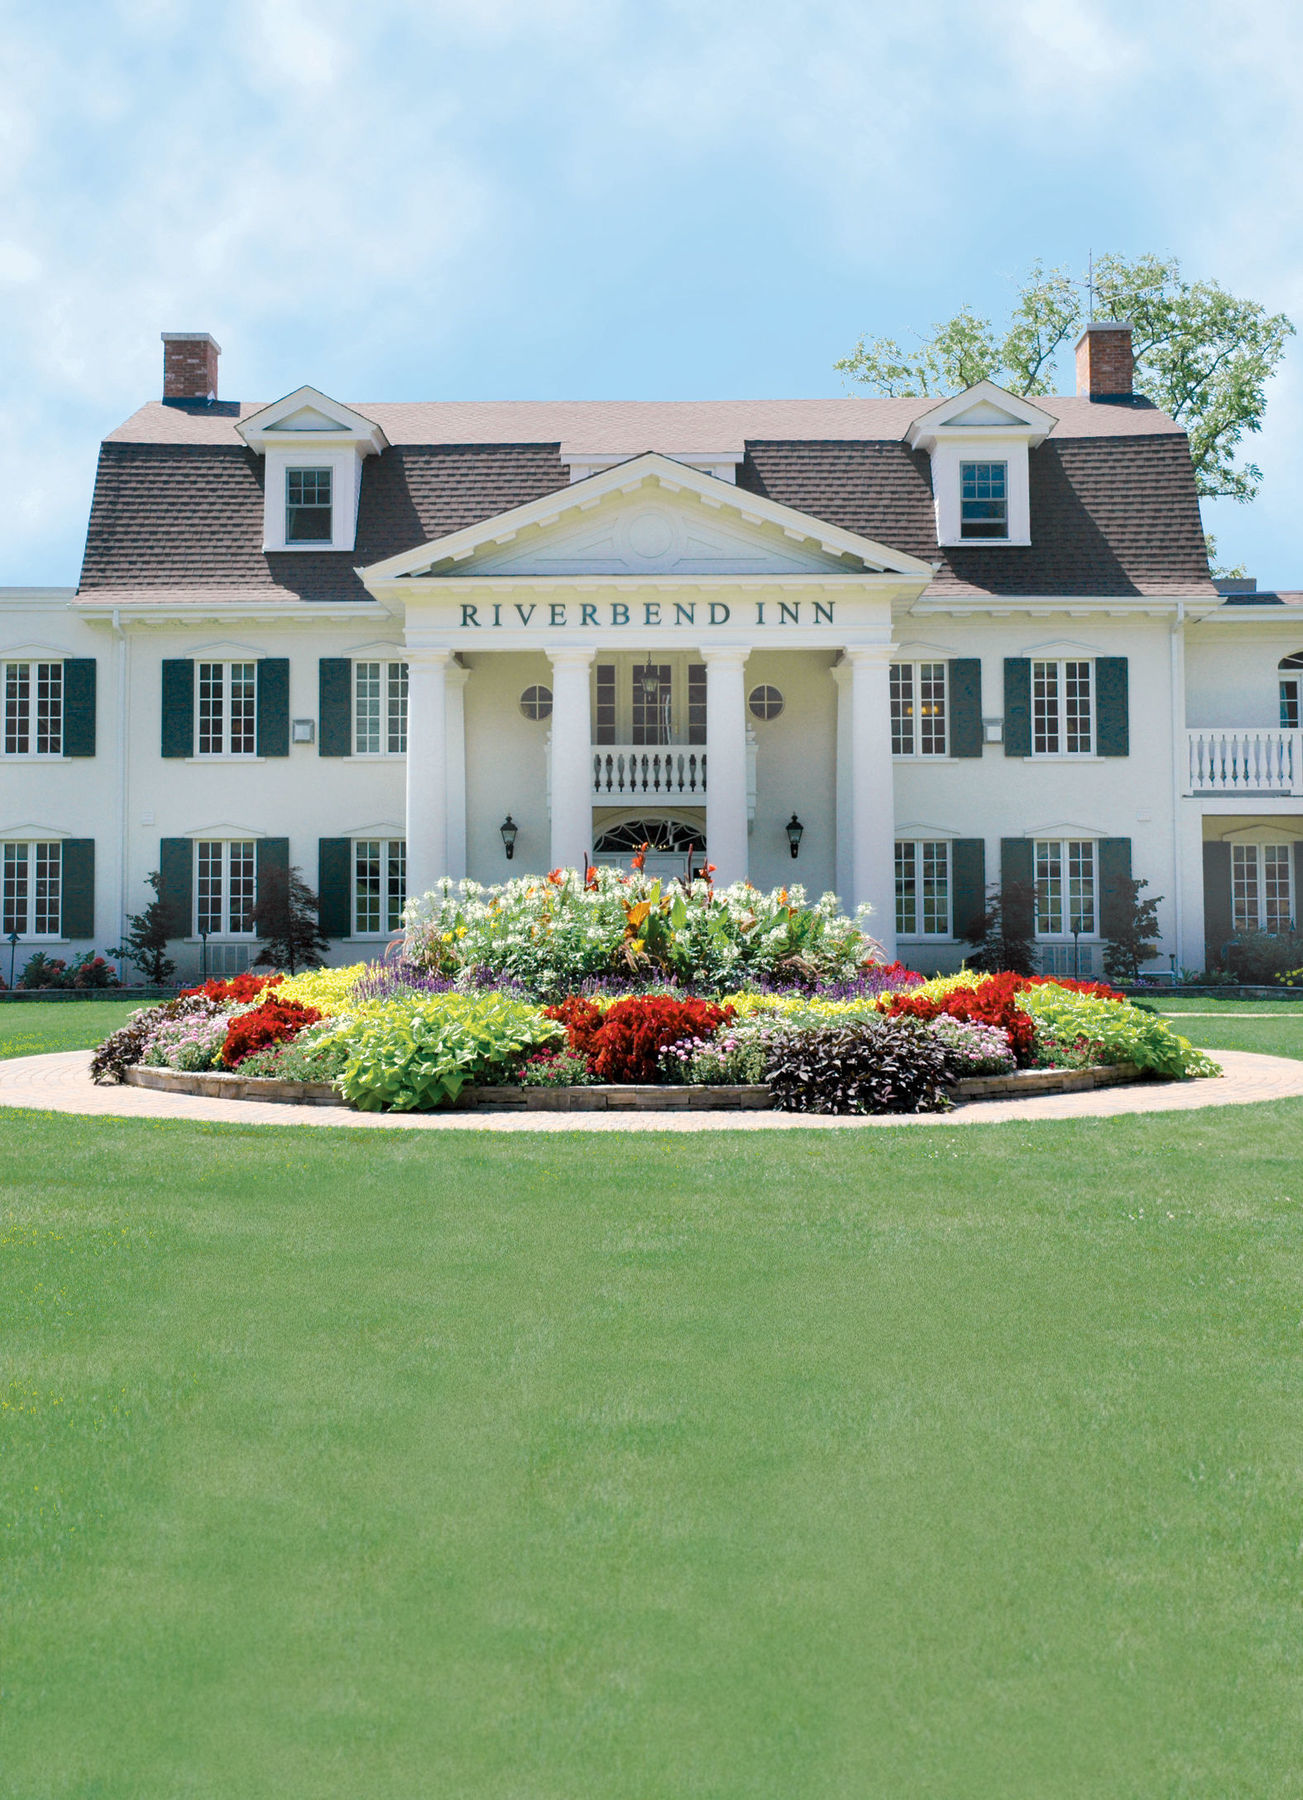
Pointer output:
x,y
226,887
308,506
765,702
31,889
1063,709
228,708
923,888
918,709
984,499
1262,887
379,708
379,885
1066,888
1291,691
536,702
33,702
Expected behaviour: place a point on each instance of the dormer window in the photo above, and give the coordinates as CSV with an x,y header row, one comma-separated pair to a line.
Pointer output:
x,y
984,500
307,506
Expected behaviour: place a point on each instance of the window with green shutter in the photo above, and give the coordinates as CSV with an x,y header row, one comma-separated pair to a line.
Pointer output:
x,y
178,707
335,706
79,706
274,706
1017,706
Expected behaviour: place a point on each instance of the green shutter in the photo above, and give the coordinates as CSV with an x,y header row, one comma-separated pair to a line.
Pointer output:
x,y
1017,706
335,707
1114,879
1217,914
79,706
1018,868
967,884
274,706
334,886
176,884
1112,712
178,706
77,894
272,854
966,706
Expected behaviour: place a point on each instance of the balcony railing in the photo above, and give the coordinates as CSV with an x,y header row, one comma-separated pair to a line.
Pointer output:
x,y
654,774
1245,762
666,772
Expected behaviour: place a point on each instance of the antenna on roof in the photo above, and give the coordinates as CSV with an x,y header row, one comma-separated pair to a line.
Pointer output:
x,y
1090,282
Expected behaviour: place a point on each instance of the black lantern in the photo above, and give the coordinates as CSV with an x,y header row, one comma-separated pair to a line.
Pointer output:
x,y
794,832
509,828
650,679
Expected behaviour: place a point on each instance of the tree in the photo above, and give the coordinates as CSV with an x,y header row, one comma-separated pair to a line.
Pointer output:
x,y
1003,933
147,936
287,914
1201,354
1134,939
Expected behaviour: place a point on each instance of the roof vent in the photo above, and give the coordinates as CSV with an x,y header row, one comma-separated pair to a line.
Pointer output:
x,y
1105,365
190,365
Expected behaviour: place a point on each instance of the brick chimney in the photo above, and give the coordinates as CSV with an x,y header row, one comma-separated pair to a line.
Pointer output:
x,y
1104,361
190,365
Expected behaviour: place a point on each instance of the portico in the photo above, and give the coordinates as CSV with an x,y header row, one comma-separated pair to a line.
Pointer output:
x,y
646,597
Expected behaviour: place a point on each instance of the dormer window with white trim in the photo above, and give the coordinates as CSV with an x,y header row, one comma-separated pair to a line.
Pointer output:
x,y
313,449
984,500
307,506
978,444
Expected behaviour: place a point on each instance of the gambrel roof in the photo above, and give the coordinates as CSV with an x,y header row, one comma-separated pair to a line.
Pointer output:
x,y
178,499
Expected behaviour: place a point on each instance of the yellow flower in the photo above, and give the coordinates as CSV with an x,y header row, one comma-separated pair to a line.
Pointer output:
x,y
446,938
461,931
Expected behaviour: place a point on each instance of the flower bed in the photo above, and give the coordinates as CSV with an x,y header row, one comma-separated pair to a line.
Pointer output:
x,y
843,1034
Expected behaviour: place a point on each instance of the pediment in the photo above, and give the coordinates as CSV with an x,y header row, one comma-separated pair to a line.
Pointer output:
x,y
649,516
982,408
308,413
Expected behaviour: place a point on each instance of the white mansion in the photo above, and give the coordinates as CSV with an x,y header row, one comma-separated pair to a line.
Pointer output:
x,y
899,648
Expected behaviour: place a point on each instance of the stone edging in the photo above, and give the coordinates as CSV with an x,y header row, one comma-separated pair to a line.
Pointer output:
x,y
625,1097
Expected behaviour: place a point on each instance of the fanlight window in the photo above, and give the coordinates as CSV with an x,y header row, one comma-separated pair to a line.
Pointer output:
x,y
673,835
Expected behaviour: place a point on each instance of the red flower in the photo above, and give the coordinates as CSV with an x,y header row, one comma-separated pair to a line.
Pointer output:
x,y
581,1019
274,1022
556,876
239,988
641,858
992,1002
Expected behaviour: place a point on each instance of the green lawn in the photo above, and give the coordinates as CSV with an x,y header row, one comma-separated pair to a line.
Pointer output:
x,y
1272,1026
947,1463
32,1027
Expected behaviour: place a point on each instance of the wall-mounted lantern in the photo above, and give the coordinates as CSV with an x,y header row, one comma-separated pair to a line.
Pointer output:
x,y
795,830
509,828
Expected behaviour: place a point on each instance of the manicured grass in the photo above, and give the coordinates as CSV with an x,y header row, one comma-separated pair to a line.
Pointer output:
x,y
31,1028
924,1462
1273,1027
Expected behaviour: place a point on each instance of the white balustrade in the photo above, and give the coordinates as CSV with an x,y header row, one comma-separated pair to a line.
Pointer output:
x,y
1245,762
633,771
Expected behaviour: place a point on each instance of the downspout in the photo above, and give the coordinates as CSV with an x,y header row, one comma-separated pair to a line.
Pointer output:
x,y
1176,641
122,787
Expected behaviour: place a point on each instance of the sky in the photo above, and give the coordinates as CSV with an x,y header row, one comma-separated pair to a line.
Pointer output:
x,y
602,199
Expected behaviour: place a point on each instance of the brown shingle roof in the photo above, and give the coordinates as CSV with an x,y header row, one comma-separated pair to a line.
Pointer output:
x,y
178,498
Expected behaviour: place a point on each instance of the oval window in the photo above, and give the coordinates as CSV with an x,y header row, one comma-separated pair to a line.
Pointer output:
x,y
536,703
765,702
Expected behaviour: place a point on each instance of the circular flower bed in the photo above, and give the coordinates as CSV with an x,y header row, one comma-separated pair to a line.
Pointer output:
x,y
684,986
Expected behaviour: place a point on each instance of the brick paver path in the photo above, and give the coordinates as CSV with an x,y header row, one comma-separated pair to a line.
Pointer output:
x,y
61,1083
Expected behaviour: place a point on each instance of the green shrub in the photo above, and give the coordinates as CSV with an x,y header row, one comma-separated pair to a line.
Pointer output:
x,y
1258,957
1123,1033
412,1054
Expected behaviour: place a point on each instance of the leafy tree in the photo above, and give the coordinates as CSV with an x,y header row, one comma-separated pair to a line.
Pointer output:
x,y
1136,940
147,936
287,915
1201,354
1003,941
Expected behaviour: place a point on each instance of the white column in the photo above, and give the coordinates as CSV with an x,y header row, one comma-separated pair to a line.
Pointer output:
x,y
427,769
726,763
572,765
841,674
873,801
456,706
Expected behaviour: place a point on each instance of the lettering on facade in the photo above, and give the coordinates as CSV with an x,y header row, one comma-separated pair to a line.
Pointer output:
x,y
561,614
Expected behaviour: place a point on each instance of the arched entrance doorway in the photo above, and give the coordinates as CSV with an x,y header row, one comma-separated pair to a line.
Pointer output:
x,y
670,843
